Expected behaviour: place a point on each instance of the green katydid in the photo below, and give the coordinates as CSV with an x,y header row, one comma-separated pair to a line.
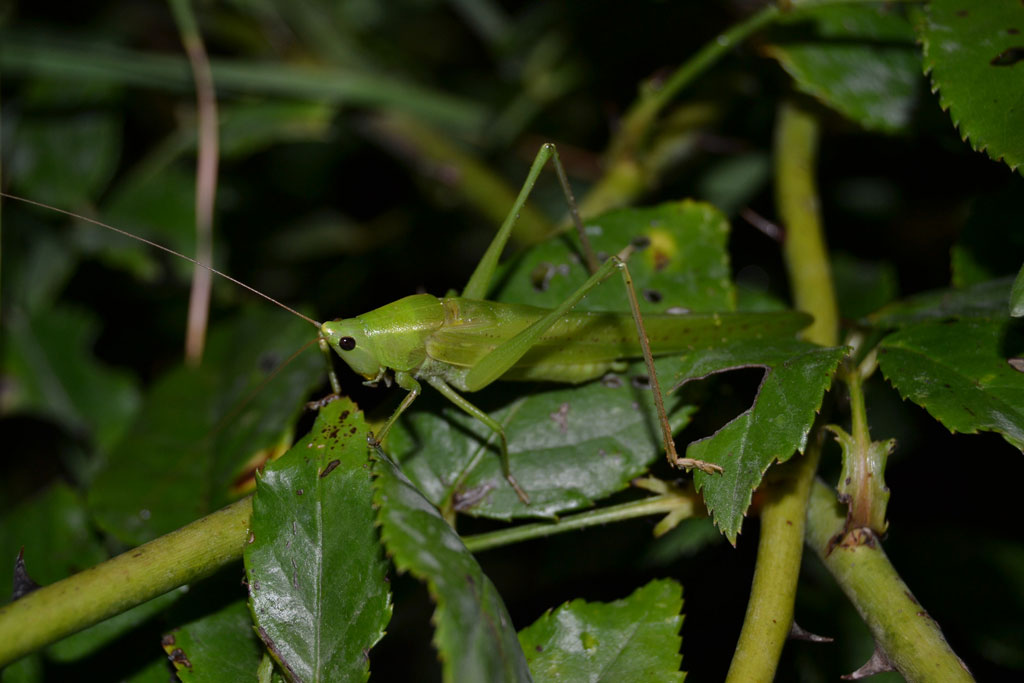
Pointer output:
x,y
464,343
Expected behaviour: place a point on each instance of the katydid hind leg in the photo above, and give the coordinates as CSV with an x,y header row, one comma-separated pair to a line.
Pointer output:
x,y
445,390
659,402
480,281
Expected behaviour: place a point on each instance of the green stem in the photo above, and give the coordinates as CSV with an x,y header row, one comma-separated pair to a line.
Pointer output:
x,y
770,609
77,602
903,631
655,95
681,505
810,276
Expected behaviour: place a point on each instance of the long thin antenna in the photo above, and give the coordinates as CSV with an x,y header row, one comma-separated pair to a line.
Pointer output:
x,y
161,248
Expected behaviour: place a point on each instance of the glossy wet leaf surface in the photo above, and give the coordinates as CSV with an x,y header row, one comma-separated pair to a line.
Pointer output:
x,y
797,374
473,632
633,639
858,60
199,428
974,54
316,572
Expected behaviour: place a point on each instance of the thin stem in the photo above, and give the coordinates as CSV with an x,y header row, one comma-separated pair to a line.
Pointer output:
x,y
132,578
207,156
655,95
903,631
679,503
770,609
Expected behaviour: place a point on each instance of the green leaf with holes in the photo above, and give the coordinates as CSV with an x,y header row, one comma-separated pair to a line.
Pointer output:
x,y
974,53
317,578
473,633
860,61
797,374
633,639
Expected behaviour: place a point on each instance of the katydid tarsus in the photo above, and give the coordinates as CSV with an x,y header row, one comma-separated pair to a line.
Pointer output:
x,y
464,343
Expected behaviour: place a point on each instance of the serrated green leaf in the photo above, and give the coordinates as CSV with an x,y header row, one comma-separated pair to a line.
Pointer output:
x,y
974,53
774,428
570,446
199,427
50,371
474,635
317,578
217,647
860,61
633,639
958,371
983,300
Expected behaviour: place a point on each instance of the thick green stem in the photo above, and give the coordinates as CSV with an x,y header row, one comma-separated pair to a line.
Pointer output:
x,y
680,506
773,592
904,632
77,602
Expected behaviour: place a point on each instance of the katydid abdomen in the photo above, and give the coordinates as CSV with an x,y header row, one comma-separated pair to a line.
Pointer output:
x,y
582,345
429,336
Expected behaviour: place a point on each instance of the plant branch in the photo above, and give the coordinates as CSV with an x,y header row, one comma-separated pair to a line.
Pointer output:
x,y
903,631
132,578
678,504
773,592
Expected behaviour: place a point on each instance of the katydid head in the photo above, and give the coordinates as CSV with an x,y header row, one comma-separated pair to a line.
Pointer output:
x,y
350,341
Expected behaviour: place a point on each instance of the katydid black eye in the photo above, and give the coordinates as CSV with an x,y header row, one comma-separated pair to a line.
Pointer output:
x,y
347,343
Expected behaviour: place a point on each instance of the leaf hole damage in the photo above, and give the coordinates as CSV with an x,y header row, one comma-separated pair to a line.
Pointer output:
x,y
652,295
611,381
1008,57
540,277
